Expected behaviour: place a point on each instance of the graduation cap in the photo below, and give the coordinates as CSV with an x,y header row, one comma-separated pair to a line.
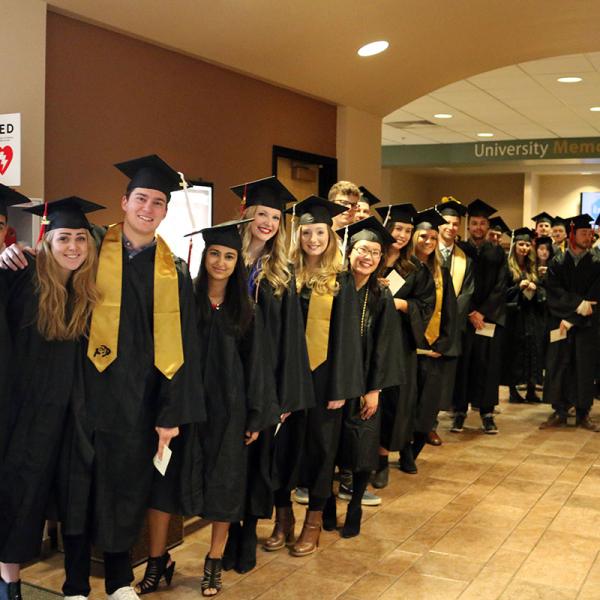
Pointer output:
x,y
542,217
580,222
498,224
224,234
559,221
597,221
523,234
367,196
397,213
478,208
316,210
151,172
543,240
268,192
67,212
429,219
369,229
9,197
451,207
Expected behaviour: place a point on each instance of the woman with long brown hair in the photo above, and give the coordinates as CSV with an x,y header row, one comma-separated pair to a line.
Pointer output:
x,y
48,307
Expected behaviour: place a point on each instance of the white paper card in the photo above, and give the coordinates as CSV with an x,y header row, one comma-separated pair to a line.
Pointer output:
x,y
422,352
488,330
556,335
396,281
162,464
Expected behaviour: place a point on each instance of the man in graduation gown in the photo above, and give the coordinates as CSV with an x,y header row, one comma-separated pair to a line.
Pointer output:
x,y
347,194
497,229
142,381
460,267
573,290
543,224
366,201
559,234
478,373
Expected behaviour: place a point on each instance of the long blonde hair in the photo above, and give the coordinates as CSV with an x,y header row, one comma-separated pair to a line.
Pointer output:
x,y
530,271
274,261
319,279
433,262
64,311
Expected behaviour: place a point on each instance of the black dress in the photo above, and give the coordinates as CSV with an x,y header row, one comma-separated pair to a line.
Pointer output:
x,y
41,385
383,368
430,370
399,403
571,363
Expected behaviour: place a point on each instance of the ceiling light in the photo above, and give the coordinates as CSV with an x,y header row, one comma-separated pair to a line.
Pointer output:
x,y
485,134
595,108
444,116
586,173
569,79
373,48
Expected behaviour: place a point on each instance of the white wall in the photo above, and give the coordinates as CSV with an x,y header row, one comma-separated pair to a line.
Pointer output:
x,y
560,194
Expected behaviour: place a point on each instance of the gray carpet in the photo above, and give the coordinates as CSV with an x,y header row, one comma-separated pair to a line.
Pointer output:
x,y
32,592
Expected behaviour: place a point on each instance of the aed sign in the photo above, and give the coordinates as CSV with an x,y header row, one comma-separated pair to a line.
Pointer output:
x,y
10,149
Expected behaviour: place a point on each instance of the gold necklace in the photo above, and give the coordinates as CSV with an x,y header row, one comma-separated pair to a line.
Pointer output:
x,y
364,313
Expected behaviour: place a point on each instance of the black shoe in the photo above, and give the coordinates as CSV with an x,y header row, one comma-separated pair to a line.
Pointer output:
x,y
514,396
407,461
246,558
352,523
458,423
232,547
488,424
381,478
531,396
330,514
156,569
211,579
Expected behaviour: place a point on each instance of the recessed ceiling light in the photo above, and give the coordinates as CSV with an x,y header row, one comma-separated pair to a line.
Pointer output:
x,y
484,134
442,116
373,48
586,173
595,108
569,79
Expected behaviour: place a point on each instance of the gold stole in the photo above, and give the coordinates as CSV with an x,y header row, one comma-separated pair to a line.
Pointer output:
x,y
458,268
432,333
104,330
318,322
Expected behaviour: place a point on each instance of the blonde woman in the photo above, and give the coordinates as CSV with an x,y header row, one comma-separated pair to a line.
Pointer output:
x,y
47,307
332,331
525,330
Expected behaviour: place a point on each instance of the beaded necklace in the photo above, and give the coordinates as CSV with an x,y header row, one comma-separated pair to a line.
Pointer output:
x,y
364,313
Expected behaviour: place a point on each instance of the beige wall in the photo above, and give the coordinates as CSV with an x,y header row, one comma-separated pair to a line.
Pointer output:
x,y
23,52
559,194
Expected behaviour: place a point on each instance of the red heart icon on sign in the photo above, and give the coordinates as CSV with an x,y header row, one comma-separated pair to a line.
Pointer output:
x,y
6,155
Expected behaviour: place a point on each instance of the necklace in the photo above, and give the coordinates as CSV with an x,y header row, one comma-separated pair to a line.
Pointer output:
x,y
364,313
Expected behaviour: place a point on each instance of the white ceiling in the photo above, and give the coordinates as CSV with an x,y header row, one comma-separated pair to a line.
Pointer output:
x,y
517,102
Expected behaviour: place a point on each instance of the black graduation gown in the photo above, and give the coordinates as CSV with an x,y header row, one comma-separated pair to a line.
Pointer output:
x,y
525,332
42,379
125,403
338,378
383,368
430,370
272,458
571,363
399,403
479,368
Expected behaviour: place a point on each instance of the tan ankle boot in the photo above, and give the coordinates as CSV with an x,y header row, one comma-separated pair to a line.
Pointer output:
x,y
308,542
283,532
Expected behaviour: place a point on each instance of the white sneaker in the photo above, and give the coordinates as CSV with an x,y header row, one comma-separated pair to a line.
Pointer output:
x,y
124,593
76,598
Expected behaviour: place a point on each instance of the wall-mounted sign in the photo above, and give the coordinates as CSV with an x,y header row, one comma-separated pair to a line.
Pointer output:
x,y
486,152
10,149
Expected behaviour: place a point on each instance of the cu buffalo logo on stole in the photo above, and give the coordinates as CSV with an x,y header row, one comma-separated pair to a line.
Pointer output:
x,y
102,351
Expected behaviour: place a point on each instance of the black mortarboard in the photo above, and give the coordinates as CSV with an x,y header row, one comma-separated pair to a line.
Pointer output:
x,y
369,229
451,206
224,234
542,217
150,172
498,224
523,234
558,221
8,197
397,213
597,221
266,192
429,219
316,210
66,212
580,222
478,208
367,196
543,240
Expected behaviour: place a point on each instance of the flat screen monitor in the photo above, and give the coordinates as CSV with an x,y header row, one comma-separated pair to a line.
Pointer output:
x,y
590,204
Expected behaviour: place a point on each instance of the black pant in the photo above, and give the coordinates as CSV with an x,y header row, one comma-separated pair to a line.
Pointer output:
x,y
78,551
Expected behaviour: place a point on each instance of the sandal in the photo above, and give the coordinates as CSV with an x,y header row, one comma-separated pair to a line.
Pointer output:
x,y
156,569
212,576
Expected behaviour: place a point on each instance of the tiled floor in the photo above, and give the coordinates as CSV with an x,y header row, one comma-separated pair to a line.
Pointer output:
x,y
512,516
